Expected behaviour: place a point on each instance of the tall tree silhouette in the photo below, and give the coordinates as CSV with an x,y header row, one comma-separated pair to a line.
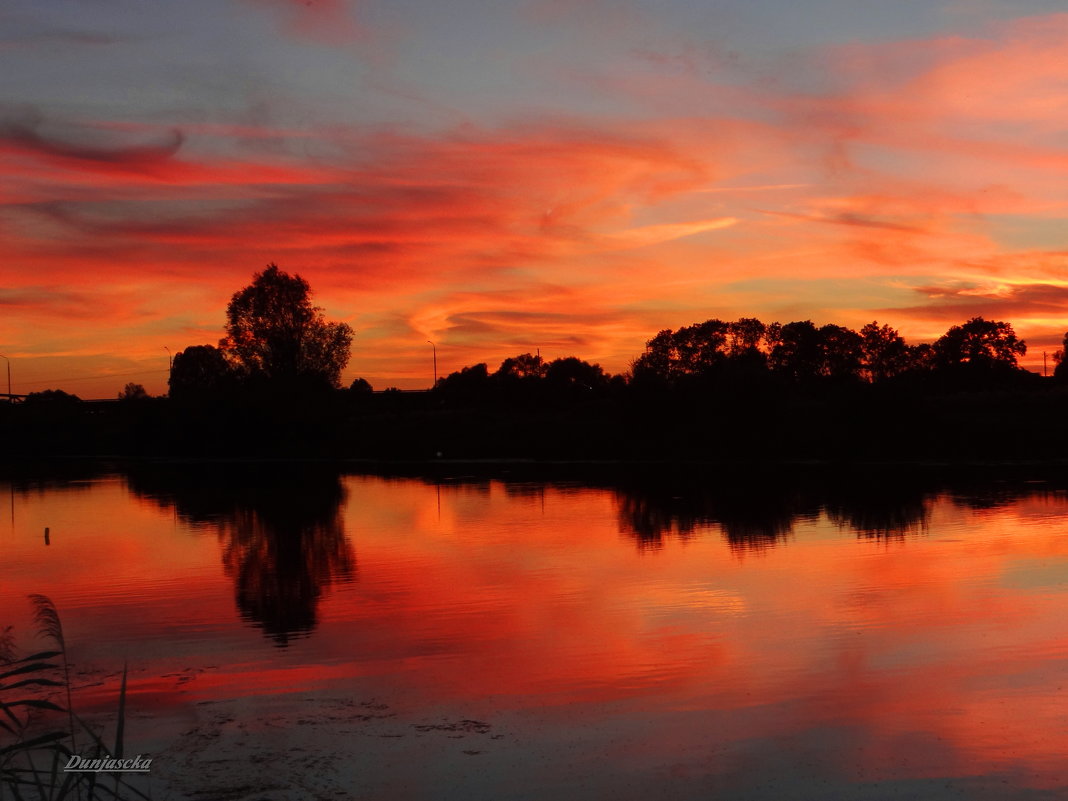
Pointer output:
x,y
273,331
796,349
694,350
1060,372
525,365
884,353
572,373
198,370
745,335
980,342
841,350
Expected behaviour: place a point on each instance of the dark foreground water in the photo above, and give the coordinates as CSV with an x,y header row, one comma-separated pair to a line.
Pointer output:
x,y
298,633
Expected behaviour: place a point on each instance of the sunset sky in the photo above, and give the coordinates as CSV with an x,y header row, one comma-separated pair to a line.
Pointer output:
x,y
500,177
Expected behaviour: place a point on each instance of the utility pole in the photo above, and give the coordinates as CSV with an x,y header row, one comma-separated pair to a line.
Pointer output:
x,y
10,397
1043,364
435,347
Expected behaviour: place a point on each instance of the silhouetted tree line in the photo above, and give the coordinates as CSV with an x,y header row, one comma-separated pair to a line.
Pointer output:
x,y
747,356
527,377
722,354
713,390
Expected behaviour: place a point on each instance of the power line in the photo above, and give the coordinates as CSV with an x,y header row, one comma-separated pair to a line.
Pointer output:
x,y
89,377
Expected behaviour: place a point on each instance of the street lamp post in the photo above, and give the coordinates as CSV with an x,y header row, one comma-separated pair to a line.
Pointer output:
x,y
10,398
435,347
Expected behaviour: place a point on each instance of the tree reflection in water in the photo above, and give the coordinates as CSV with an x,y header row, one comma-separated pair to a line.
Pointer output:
x,y
880,509
757,517
749,519
281,532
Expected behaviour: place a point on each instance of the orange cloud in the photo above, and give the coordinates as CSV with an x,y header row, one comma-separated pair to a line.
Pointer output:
x,y
417,216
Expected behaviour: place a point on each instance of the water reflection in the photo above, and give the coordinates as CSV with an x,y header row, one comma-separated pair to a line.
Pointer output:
x,y
877,507
280,529
755,509
41,478
749,519
829,667
755,518
754,515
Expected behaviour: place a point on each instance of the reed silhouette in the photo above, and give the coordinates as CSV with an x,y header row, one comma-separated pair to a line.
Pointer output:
x,y
40,729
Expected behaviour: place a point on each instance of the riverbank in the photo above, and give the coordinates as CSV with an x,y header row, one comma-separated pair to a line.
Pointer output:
x,y
859,425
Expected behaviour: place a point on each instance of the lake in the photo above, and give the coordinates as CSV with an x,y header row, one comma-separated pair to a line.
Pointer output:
x,y
300,632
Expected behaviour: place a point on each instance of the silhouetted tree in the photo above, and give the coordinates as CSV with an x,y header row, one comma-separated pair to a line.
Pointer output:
x,y
1060,372
525,365
657,364
52,398
572,373
133,392
199,370
470,383
979,342
841,352
697,350
744,336
922,357
884,353
360,386
701,347
274,332
797,351
803,352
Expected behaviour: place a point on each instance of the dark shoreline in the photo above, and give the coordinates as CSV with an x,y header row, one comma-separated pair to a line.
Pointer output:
x,y
858,426
533,469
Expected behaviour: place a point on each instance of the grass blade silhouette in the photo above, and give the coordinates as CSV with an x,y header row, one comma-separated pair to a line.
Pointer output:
x,y
121,722
46,616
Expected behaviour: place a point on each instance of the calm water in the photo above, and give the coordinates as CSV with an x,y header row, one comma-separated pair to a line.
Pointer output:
x,y
316,635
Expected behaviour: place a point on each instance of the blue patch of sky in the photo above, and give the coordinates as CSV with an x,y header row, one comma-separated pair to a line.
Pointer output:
x,y
1030,232
783,24
196,61
433,64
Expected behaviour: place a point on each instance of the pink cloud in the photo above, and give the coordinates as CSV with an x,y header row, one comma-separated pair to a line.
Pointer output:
x,y
325,21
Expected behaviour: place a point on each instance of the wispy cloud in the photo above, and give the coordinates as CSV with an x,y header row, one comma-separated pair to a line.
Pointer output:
x,y
326,21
